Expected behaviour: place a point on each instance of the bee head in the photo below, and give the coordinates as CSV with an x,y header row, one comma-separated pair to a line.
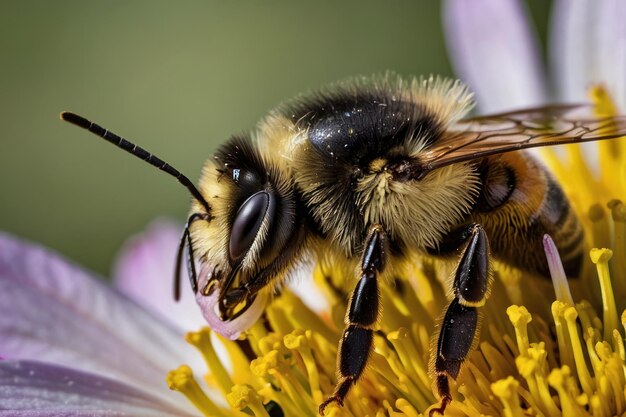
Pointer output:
x,y
250,238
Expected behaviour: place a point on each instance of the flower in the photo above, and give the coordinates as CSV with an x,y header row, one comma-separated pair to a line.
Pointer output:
x,y
547,348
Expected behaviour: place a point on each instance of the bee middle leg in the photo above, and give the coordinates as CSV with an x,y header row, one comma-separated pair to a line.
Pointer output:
x,y
460,323
356,344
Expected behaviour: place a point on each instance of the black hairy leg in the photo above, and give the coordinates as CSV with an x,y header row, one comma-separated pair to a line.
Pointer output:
x,y
460,323
356,343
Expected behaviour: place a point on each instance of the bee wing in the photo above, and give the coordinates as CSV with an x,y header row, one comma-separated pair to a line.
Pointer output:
x,y
505,132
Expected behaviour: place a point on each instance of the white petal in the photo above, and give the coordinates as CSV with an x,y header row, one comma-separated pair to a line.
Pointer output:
x,y
588,46
572,42
494,50
145,269
302,284
611,48
51,310
30,388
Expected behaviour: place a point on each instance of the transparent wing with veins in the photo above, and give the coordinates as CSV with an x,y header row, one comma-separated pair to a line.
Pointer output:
x,y
505,132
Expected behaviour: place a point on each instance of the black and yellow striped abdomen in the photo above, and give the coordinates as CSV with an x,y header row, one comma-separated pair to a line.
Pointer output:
x,y
520,201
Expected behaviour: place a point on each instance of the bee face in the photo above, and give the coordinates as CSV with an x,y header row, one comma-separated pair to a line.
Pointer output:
x,y
253,212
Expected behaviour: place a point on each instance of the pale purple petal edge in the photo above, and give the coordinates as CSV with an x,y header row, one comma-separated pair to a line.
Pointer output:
x,y
144,271
495,51
29,387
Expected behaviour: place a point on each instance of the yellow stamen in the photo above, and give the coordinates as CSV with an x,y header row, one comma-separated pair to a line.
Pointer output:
x,y
201,340
278,365
241,373
298,341
182,380
601,257
506,390
520,317
539,354
618,214
618,342
600,226
413,369
562,335
584,377
404,406
611,151
560,380
244,396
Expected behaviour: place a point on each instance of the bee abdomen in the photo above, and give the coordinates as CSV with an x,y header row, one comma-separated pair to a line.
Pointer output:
x,y
558,219
519,203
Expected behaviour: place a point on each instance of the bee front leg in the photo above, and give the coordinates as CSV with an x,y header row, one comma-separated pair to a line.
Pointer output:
x,y
356,343
460,323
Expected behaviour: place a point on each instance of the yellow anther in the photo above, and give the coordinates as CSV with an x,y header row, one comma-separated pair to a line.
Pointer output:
x,y
201,340
618,210
298,341
596,212
295,339
182,380
600,255
600,225
603,104
526,366
244,396
506,390
537,351
259,367
520,317
271,362
559,380
272,341
406,407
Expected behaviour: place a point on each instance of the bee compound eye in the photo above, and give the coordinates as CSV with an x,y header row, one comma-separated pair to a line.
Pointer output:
x,y
247,224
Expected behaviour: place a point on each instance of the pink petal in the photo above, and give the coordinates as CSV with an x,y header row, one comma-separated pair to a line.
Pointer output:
x,y
494,50
145,271
29,388
51,310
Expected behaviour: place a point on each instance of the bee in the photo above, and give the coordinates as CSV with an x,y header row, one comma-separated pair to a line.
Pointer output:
x,y
367,173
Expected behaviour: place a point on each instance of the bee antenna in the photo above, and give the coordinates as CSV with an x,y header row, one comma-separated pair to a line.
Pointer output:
x,y
138,151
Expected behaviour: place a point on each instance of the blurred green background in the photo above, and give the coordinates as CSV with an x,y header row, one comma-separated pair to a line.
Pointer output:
x,y
177,78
